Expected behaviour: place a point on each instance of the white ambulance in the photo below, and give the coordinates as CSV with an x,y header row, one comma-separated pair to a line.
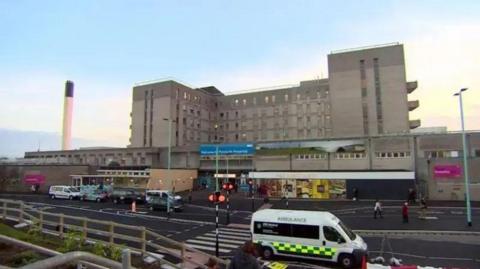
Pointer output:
x,y
312,235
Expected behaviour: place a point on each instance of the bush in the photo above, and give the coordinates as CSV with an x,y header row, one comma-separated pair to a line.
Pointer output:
x,y
72,242
24,258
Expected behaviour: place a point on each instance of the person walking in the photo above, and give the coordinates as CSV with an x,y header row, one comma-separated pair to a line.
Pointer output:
x,y
244,258
377,209
423,207
405,212
355,194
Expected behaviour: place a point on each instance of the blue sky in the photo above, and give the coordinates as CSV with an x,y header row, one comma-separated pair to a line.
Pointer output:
x,y
107,46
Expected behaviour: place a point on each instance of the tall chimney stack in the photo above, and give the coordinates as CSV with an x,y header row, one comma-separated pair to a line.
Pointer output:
x,y
67,116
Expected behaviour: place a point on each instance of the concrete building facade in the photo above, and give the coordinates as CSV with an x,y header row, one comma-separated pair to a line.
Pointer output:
x,y
366,94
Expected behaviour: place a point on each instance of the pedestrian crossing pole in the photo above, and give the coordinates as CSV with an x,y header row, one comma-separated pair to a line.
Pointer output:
x,y
216,204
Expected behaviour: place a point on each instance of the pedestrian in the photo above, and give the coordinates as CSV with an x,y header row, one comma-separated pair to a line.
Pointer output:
x,y
377,209
405,212
32,188
423,207
355,194
244,258
212,264
411,196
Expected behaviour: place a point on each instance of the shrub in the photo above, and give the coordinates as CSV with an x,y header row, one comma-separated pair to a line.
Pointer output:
x,y
24,258
72,242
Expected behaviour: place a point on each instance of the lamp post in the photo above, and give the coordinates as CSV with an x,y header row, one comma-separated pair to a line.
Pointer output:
x,y
465,160
169,163
216,204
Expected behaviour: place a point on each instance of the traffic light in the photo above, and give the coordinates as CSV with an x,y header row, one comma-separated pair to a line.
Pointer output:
x,y
227,186
216,197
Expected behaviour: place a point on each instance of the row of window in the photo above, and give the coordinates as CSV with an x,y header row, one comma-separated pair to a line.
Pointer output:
x,y
350,155
124,173
311,156
401,154
272,99
444,154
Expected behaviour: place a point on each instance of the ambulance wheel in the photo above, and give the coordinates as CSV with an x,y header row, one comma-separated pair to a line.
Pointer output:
x,y
267,253
346,261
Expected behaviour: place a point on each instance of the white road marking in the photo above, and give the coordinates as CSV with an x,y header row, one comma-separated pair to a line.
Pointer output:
x,y
211,243
208,248
228,236
221,239
235,230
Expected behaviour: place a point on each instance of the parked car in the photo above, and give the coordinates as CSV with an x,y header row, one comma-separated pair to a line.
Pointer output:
x,y
63,192
176,201
120,195
140,195
96,195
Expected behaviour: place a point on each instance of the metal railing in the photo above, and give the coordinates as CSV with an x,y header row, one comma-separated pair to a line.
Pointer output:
x,y
139,239
91,261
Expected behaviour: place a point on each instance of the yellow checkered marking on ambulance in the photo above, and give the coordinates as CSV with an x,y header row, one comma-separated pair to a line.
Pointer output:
x,y
301,249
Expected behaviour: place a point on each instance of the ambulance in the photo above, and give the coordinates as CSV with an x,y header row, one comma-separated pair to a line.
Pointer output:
x,y
314,235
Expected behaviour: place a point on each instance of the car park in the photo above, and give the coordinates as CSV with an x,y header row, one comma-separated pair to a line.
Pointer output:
x,y
63,192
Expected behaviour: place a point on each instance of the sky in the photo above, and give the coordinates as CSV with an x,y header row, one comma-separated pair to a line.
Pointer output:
x,y
107,46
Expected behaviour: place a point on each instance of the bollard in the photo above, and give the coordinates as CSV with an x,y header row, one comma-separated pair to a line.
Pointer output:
x,y
134,207
126,259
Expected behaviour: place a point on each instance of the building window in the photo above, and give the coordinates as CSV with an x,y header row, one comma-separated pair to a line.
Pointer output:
x,y
254,101
362,69
298,96
266,99
244,102
185,95
273,98
286,97
378,95
236,102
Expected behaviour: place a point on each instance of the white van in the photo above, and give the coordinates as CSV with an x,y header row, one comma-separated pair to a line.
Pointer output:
x,y
64,192
311,235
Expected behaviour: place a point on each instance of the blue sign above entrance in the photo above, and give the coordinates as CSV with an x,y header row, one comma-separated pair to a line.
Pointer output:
x,y
227,149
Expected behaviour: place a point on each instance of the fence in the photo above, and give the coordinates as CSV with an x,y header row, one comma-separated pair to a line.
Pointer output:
x,y
138,238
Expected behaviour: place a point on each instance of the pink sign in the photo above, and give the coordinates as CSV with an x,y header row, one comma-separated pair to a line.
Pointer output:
x,y
34,179
447,171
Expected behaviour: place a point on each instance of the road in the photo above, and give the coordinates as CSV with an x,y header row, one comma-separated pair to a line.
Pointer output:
x,y
195,226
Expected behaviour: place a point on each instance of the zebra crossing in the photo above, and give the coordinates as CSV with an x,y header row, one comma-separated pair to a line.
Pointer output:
x,y
229,239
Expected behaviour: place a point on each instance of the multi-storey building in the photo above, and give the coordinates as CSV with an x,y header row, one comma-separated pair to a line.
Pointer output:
x,y
365,94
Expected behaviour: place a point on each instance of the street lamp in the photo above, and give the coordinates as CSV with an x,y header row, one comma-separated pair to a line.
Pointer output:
x,y
170,161
465,160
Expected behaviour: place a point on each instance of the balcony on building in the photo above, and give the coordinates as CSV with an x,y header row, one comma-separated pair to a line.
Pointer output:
x,y
414,124
412,105
411,86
